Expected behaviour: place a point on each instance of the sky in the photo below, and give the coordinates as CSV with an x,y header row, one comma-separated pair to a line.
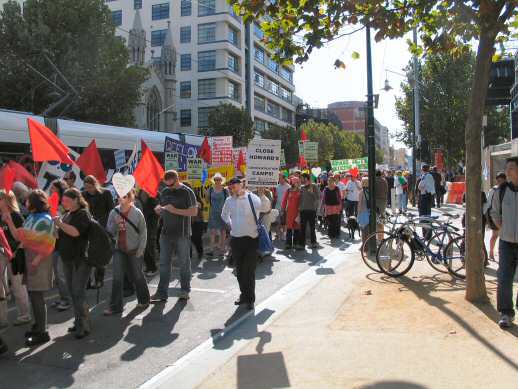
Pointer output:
x,y
318,83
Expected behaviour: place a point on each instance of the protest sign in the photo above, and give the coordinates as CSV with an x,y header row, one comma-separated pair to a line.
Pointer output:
x,y
120,158
171,161
263,157
194,168
184,151
221,150
309,150
53,170
225,171
342,165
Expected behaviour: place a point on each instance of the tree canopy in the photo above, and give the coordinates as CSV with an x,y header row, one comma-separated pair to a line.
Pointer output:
x,y
80,41
227,119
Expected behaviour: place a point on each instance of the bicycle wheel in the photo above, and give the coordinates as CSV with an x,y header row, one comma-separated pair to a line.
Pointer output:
x,y
369,255
454,256
436,245
395,257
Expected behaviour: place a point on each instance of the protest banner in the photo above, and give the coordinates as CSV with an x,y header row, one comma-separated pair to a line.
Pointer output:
x,y
171,161
184,151
194,168
225,171
53,170
342,165
263,157
221,150
120,158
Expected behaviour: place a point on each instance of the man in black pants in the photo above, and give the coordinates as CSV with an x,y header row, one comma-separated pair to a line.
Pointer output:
x,y
237,213
309,202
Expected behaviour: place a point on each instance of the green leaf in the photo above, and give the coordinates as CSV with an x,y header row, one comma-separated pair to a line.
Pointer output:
x,y
355,55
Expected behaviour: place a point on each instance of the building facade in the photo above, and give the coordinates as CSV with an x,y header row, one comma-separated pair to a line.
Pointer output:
x,y
201,55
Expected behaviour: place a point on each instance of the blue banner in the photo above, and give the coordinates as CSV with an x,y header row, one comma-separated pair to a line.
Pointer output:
x,y
184,151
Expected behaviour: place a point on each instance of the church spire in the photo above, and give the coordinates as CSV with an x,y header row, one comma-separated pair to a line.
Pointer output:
x,y
168,53
137,41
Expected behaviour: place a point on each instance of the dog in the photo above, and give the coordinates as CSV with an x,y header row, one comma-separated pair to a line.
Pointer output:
x,y
352,226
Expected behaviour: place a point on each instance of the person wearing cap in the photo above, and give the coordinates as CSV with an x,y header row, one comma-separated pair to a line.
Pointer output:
x,y
217,195
177,206
237,213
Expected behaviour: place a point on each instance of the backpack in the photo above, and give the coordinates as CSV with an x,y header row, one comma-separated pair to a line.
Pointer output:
x,y
100,245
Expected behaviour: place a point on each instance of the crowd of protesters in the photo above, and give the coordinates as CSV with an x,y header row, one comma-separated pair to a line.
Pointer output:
x,y
146,231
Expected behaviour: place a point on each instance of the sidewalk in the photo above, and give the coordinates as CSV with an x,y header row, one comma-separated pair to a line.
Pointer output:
x,y
357,329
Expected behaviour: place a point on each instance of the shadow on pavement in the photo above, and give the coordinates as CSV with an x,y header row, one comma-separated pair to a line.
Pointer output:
x,y
392,385
262,371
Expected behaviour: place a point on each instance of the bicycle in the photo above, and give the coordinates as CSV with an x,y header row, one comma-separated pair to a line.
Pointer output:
x,y
396,254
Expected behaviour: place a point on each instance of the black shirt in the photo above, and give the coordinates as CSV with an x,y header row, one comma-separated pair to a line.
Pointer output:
x,y
72,248
100,205
181,198
18,222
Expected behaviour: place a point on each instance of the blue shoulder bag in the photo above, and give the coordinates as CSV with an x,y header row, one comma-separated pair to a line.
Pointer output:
x,y
265,244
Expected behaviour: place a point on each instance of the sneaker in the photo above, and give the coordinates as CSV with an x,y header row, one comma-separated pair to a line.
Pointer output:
x,y
157,299
184,295
505,321
63,306
37,339
22,320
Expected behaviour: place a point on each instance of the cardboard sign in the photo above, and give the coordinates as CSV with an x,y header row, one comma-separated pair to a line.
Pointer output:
x,y
221,150
194,168
171,161
263,158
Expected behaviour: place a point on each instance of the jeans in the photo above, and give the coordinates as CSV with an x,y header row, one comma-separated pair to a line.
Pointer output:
x,y
39,311
57,266
132,266
402,200
244,253
508,253
18,290
76,276
308,218
183,252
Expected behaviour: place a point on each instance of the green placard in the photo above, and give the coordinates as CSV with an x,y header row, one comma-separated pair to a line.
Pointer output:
x,y
342,165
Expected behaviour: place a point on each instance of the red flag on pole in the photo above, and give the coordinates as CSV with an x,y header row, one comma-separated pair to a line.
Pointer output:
x,y
303,136
149,172
45,145
7,178
204,151
241,161
23,175
302,162
91,164
54,203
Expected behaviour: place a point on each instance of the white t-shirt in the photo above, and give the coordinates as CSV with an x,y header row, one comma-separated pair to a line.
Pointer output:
x,y
353,190
341,186
280,191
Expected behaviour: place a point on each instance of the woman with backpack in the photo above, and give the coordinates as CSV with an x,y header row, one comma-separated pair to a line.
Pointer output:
x,y
38,239
72,244
217,195
127,224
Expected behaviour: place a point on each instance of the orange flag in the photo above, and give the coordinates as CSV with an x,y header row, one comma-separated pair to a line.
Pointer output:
x,y
46,146
91,164
149,172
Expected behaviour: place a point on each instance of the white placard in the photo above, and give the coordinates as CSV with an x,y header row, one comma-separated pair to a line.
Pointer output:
x,y
263,158
53,170
171,161
221,150
123,183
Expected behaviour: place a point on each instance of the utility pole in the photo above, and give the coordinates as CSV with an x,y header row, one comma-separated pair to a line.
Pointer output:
x,y
416,136
371,146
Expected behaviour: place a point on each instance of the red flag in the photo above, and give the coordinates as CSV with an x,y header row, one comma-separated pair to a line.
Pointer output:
x,y
302,162
303,136
204,151
149,172
45,145
23,175
54,204
5,244
355,172
90,162
7,178
241,161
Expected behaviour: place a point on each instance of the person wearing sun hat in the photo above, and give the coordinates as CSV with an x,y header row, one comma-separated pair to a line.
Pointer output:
x,y
217,194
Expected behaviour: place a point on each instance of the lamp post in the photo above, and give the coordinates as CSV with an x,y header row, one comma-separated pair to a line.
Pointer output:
x,y
371,146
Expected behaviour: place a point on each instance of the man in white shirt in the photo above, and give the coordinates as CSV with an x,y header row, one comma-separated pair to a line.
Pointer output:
x,y
352,196
237,213
427,191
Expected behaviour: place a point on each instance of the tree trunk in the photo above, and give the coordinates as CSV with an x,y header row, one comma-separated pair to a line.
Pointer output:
x,y
476,287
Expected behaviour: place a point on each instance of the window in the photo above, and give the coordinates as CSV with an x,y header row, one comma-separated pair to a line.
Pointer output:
x,y
203,116
206,32
206,61
137,4
259,54
289,118
207,88
185,62
206,7
260,125
259,79
185,117
273,66
258,32
286,74
285,94
259,103
274,88
158,37
153,109
233,36
160,11
233,63
185,34
185,90
117,17
186,8
273,109
233,91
